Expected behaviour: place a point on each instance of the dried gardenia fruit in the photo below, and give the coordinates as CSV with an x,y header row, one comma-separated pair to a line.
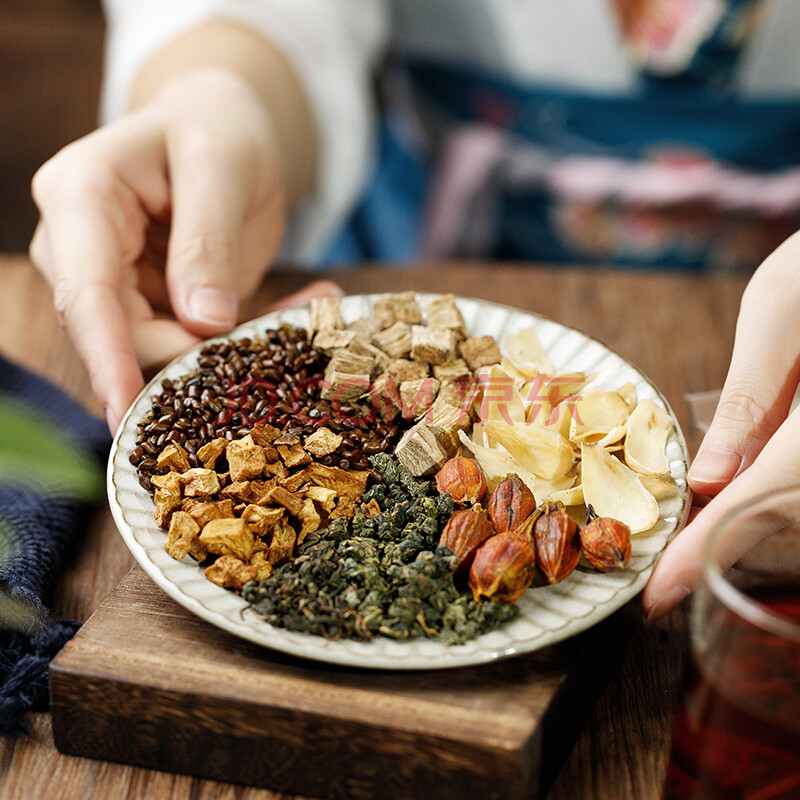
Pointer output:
x,y
606,543
462,479
503,569
511,505
557,543
464,533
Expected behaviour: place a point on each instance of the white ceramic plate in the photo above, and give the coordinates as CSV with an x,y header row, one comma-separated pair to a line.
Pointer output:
x,y
547,615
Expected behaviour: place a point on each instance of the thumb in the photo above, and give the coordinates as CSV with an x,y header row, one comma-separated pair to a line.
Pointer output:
x,y
209,196
757,395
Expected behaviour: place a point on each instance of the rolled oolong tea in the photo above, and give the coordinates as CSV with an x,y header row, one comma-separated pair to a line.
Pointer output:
x,y
381,573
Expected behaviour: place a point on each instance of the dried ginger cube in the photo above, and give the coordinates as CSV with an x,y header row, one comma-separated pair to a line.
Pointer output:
x,y
245,458
183,537
228,537
231,572
322,442
199,482
210,452
174,457
167,497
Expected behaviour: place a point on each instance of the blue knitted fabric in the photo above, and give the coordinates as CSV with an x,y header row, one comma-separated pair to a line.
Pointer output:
x,y
51,472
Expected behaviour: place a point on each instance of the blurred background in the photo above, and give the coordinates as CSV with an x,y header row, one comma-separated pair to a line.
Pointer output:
x,y
50,63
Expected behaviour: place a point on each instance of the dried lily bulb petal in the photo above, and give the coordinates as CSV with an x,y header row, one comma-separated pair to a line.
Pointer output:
x,y
563,385
500,398
552,490
597,414
645,444
524,350
614,490
658,486
510,369
628,393
542,451
571,496
496,463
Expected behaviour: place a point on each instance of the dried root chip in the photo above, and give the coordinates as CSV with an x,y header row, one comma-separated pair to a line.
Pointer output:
x,y
264,435
294,456
433,344
365,328
262,520
524,350
203,511
347,376
281,547
452,371
183,537
329,339
309,519
245,458
542,451
398,307
404,369
210,452
324,498
167,496
199,482
480,351
345,482
395,340
599,415
614,490
228,537
325,313
649,427
174,457
260,562
417,397
443,312
291,501
231,572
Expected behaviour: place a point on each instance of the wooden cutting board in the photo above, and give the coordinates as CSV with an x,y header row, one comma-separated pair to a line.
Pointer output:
x,y
147,683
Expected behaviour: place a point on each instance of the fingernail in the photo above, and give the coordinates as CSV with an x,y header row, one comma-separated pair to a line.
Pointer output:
x,y
667,601
111,420
212,306
715,466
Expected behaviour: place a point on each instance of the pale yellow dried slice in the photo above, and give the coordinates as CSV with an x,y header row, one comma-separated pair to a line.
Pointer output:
x,y
564,385
537,448
645,443
628,393
598,413
500,397
614,490
496,463
658,486
524,350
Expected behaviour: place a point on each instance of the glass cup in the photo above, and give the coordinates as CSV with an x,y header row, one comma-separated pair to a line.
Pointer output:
x,y
737,728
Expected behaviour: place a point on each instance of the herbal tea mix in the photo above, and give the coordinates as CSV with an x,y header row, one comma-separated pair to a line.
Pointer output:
x,y
394,476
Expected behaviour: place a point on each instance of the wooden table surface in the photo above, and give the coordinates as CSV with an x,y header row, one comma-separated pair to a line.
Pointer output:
x,y
677,328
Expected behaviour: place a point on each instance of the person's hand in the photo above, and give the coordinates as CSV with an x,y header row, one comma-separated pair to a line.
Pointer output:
x,y
752,446
153,227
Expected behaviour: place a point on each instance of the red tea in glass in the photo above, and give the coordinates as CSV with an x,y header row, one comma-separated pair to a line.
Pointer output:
x,y
737,732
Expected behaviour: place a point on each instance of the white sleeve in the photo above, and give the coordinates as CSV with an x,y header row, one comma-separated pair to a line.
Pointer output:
x,y
332,46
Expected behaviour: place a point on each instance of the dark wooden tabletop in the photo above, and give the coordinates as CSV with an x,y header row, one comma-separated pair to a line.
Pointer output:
x,y
676,328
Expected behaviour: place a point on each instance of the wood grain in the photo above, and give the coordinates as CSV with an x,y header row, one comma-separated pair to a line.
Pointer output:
x,y
678,329
147,682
